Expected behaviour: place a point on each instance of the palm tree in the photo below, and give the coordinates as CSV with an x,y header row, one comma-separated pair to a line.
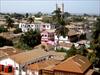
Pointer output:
x,y
61,31
57,15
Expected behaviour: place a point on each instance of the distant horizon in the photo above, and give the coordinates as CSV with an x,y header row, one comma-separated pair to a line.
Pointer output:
x,y
79,7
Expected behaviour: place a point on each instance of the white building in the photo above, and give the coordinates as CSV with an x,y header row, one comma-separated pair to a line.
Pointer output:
x,y
26,27
61,39
36,26
20,61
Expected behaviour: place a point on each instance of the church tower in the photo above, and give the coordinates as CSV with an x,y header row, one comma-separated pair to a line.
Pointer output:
x,y
61,6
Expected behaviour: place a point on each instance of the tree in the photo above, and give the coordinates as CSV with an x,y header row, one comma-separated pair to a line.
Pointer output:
x,y
17,16
39,14
82,50
26,15
61,31
30,19
86,14
77,19
57,16
5,42
44,47
95,43
18,30
2,29
72,51
9,22
31,38
47,19
66,14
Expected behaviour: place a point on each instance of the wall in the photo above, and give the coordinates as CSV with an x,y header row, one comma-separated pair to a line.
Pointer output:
x,y
8,61
61,39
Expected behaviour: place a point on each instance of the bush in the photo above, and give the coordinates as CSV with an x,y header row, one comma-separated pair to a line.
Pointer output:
x,y
31,38
5,42
18,30
61,50
22,46
2,29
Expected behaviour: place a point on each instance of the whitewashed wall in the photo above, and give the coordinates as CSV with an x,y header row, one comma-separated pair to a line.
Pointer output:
x,y
8,61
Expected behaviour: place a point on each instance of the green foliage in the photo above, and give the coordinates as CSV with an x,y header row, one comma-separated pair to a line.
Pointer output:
x,y
66,14
39,14
82,50
61,50
91,57
96,37
31,38
22,46
86,15
17,16
72,51
9,21
96,30
30,19
5,42
57,16
83,36
47,19
26,15
18,30
2,29
62,31
95,43
78,19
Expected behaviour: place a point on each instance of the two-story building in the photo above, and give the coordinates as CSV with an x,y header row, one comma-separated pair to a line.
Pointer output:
x,y
36,26
48,36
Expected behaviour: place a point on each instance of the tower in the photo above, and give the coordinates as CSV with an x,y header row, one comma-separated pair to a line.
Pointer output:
x,y
56,6
62,8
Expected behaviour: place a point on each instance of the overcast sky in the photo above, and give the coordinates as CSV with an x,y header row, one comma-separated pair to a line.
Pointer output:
x,y
47,6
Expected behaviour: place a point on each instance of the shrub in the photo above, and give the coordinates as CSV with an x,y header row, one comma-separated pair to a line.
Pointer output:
x,y
2,29
5,42
18,30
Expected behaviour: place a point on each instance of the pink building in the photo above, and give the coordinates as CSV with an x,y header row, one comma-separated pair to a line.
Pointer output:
x,y
48,36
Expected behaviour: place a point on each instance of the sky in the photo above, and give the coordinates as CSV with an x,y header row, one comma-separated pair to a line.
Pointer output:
x,y
48,6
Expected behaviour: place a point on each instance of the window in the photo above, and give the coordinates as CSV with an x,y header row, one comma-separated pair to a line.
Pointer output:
x,y
44,26
16,68
47,26
10,69
45,35
42,35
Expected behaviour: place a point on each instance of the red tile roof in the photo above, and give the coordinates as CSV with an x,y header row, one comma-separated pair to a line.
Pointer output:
x,y
77,64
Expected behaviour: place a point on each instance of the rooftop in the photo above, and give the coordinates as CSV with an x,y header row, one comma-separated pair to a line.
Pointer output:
x,y
35,54
8,50
77,64
27,56
72,32
69,45
47,64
